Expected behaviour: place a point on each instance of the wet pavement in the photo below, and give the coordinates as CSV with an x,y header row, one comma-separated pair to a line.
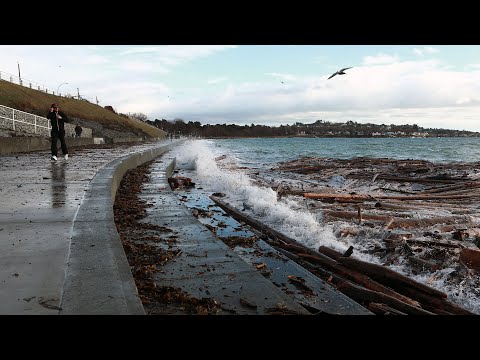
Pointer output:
x,y
39,203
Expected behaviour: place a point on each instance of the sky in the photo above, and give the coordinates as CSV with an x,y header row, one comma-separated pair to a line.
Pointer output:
x,y
433,86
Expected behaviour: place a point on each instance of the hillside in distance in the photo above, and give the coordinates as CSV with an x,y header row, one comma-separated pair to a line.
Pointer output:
x,y
103,121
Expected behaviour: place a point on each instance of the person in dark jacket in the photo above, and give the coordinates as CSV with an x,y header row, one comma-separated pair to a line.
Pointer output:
x,y
57,120
78,130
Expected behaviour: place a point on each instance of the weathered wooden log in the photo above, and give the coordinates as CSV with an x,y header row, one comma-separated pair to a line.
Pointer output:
x,y
381,273
387,197
296,248
471,258
420,207
361,294
254,223
470,185
434,303
337,196
387,206
352,215
331,253
424,222
426,204
382,309
443,243
355,276
389,223
422,264
400,222
410,179
397,190
455,192
387,276
319,271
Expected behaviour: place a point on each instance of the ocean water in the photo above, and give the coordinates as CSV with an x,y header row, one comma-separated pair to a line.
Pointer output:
x,y
196,159
266,151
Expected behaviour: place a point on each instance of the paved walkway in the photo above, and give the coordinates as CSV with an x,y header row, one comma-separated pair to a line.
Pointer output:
x,y
40,201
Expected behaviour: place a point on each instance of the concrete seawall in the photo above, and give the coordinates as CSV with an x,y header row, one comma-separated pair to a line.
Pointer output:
x,y
22,144
11,145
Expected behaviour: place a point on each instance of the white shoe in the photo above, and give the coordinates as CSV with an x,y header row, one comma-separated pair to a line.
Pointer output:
x,y
53,158
66,156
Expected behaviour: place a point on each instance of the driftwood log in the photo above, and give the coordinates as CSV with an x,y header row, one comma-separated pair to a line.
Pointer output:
x,y
312,255
380,273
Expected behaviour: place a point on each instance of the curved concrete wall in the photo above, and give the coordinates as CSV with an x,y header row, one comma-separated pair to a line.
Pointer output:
x,y
98,278
10,145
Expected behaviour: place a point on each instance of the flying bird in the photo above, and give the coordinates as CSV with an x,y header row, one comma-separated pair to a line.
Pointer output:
x,y
339,72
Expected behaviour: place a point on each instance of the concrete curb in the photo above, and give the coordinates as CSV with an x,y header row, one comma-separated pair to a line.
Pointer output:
x,y
10,145
22,144
98,279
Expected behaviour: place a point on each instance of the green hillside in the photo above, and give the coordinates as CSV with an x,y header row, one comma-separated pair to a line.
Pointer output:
x,y
38,103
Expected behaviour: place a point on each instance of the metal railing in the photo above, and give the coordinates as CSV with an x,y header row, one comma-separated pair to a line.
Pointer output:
x,y
21,121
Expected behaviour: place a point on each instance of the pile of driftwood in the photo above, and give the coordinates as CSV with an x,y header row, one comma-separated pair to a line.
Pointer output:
x,y
414,214
378,288
413,205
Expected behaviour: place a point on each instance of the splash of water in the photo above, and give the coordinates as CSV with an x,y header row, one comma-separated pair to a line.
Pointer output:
x,y
288,219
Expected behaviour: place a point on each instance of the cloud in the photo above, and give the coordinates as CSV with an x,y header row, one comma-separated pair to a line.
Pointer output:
x,y
172,55
425,50
287,77
400,92
217,80
380,59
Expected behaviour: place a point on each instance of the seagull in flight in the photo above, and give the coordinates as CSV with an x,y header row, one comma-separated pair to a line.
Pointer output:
x,y
339,72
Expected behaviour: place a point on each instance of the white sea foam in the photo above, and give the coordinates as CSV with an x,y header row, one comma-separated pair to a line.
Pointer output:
x,y
285,215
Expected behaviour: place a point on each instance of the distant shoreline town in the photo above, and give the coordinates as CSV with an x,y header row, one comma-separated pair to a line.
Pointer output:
x,y
319,128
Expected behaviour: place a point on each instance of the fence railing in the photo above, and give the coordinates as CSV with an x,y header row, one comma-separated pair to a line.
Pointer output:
x,y
21,121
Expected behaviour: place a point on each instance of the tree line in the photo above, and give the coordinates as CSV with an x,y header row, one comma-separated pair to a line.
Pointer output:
x,y
320,128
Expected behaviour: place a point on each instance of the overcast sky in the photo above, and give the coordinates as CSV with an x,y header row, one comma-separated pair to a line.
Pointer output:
x,y
431,86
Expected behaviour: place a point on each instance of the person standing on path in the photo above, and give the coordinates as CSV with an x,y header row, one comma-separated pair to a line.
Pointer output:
x,y
78,130
57,120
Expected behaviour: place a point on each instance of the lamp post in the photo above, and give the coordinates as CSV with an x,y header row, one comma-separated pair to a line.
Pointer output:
x,y
19,77
59,87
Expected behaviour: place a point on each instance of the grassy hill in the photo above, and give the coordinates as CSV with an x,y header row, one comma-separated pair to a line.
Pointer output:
x,y
38,103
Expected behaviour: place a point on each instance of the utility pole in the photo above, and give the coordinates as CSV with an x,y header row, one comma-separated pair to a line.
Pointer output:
x,y
78,94
96,98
